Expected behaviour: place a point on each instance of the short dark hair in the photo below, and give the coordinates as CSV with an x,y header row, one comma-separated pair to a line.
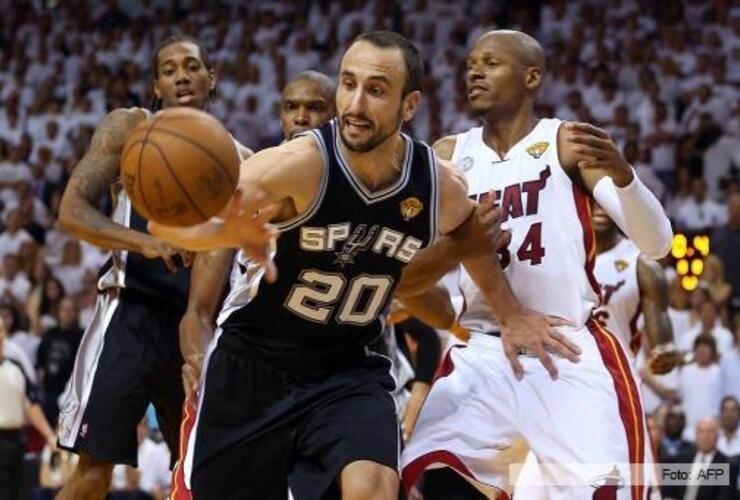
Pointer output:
x,y
707,340
157,103
411,56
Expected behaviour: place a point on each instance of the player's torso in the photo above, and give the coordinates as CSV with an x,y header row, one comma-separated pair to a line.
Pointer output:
x,y
548,259
616,272
339,262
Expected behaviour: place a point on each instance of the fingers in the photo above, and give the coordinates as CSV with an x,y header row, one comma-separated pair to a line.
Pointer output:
x,y
546,361
559,321
593,141
513,356
489,215
595,164
592,153
502,240
169,263
587,128
559,344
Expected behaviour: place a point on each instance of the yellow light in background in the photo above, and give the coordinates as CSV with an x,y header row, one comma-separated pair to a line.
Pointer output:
x,y
697,267
678,247
690,282
701,243
682,266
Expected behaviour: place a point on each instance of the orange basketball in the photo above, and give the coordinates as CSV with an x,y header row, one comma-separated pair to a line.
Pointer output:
x,y
180,167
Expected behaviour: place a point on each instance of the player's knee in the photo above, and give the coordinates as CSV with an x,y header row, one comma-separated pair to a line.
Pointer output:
x,y
97,474
369,481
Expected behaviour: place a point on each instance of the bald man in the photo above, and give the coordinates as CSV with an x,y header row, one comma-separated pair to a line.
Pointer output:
x,y
307,102
542,173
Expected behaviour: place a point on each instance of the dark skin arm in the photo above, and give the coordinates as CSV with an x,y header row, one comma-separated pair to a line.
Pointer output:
x,y
433,307
654,297
92,178
207,280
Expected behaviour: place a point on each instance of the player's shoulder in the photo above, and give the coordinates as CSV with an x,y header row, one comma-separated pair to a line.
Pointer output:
x,y
445,146
125,118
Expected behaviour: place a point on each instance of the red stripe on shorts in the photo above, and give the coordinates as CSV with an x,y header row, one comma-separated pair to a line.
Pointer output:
x,y
630,408
189,411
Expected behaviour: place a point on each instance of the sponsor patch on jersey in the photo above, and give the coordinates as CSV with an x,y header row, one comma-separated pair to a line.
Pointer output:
x,y
537,149
621,265
410,208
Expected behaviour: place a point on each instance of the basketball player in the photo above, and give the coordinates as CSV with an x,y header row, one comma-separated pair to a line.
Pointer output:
x,y
129,355
542,172
289,388
307,102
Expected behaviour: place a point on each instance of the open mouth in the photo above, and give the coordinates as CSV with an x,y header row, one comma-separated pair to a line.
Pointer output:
x,y
184,93
475,90
357,124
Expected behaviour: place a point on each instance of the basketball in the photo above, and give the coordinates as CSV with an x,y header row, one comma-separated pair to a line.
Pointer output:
x,y
180,167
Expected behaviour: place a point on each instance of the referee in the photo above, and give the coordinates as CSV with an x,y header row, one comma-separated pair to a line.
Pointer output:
x,y
18,400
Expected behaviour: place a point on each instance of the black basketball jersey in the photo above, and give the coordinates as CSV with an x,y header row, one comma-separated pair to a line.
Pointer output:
x,y
338,263
149,279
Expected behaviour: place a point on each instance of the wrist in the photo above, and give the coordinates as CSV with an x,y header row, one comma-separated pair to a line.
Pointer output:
x,y
625,178
509,312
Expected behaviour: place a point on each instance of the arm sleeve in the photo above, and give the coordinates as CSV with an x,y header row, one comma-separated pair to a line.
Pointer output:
x,y
428,354
638,214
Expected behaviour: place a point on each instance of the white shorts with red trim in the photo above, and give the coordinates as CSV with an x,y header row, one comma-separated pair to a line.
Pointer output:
x,y
589,422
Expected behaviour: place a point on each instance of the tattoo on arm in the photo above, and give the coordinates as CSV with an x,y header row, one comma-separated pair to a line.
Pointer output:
x,y
654,296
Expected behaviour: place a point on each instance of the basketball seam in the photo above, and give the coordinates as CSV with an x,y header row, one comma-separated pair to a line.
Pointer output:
x,y
187,139
177,181
144,142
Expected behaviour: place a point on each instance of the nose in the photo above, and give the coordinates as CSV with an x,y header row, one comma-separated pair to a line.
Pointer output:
x,y
182,76
301,118
474,73
357,102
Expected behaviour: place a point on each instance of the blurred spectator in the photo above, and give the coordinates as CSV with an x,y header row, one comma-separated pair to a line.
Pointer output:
x,y
699,212
14,285
71,270
701,384
25,340
56,356
673,444
710,326
55,469
730,366
42,307
713,278
725,244
729,437
14,235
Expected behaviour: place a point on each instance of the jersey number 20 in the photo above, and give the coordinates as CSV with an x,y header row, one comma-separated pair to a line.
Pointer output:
x,y
319,294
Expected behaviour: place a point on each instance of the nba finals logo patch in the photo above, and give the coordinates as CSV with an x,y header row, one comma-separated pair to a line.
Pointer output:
x,y
537,149
410,208
621,265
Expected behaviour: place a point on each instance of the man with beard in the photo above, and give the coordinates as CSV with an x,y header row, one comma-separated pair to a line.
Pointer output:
x,y
290,389
128,357
542,173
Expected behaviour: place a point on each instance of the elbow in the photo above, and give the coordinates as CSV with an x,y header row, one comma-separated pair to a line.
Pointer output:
x,y
66,220
661,246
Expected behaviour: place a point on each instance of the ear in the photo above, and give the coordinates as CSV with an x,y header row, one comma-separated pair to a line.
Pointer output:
x,y
212,78
410,105
533,78
155,87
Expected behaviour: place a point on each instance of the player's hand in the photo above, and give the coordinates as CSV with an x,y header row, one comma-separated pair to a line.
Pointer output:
x,y
534,334
194,333
51,442
598,151
153,248
481,234
245,225
663,358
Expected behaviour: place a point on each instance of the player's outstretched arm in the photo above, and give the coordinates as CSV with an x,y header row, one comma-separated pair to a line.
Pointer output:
x,y
588,153
207,281
274,185
522,330
432,307
653,286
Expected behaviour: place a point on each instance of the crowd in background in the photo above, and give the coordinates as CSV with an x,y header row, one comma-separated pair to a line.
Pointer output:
x,y
662,77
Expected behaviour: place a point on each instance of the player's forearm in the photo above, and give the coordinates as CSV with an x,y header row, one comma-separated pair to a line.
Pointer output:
x,y
638,213
658,328
207,281
433,307
491,281
427,268
79,218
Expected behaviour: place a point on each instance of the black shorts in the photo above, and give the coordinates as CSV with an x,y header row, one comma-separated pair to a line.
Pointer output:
x,y
129,357
262,427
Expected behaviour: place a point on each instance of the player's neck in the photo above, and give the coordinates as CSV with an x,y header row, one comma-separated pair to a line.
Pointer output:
x,y
380,167
606,241
502,133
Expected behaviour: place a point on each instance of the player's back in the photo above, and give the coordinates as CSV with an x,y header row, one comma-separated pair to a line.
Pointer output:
x,y
616,272
549,261
338,263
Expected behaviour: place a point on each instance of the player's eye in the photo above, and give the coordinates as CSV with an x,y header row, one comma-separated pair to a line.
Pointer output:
x,y
168,72
317,107
376,91
289,106
348,84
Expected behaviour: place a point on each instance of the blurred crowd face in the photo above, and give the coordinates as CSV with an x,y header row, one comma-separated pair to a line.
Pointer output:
x,y
707,433
730,415
306,104
370,102
708,313
704,354
733,210
11,266
674,424
67,313
182,78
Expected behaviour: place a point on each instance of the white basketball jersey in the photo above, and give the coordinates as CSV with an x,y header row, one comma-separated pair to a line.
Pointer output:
x,y
549,262
616,272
